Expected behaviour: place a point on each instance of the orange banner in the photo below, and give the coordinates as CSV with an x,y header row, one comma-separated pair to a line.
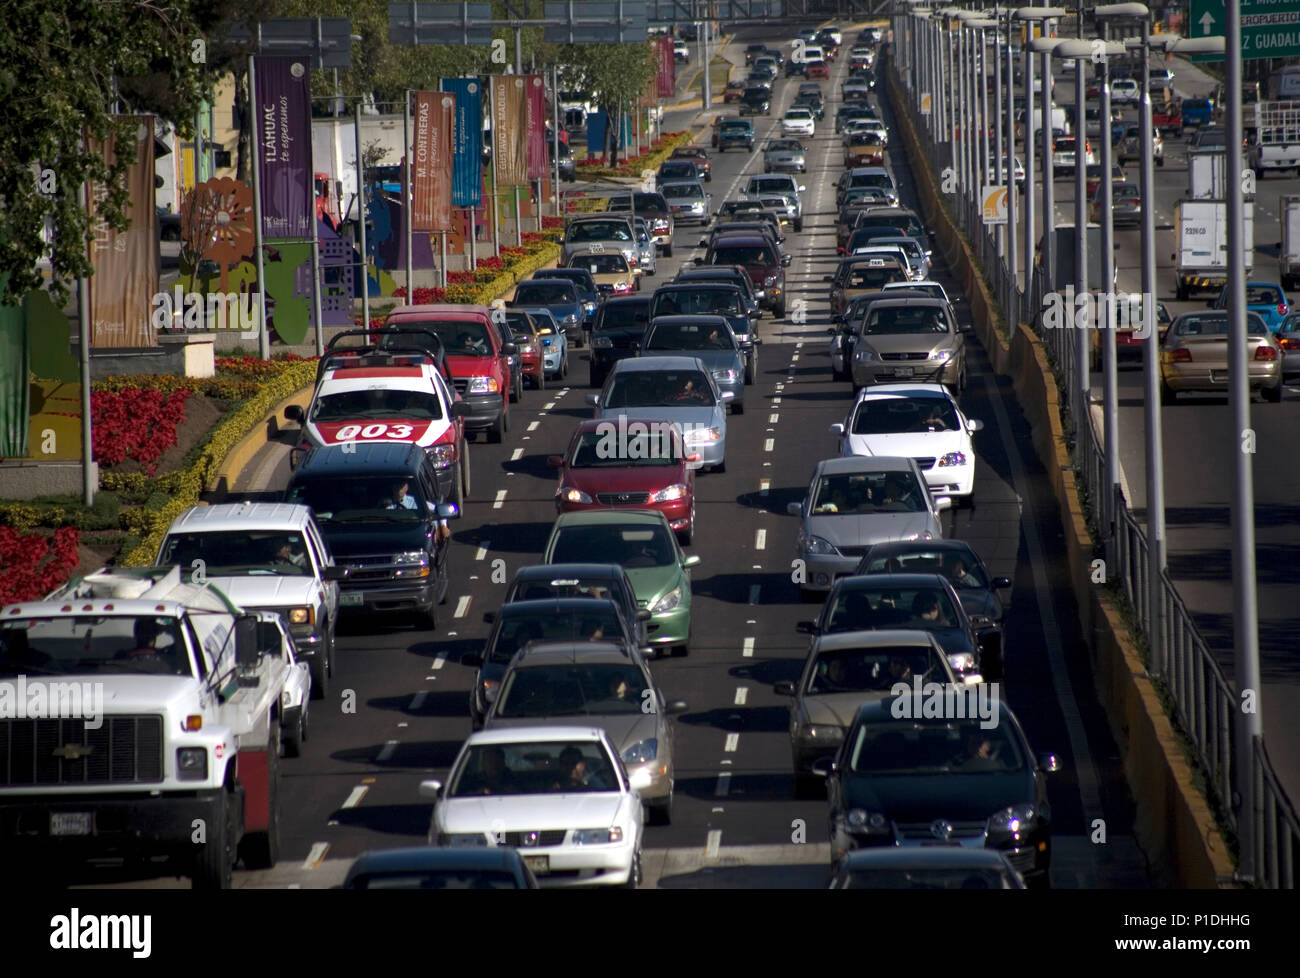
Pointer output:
x,y
434,121
125,263
510,130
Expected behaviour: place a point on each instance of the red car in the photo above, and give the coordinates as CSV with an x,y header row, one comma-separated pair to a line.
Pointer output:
x,y
817,69
628,464
697,155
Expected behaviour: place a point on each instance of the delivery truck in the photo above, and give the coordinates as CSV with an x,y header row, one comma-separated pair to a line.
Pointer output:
x,y
1289,252
1202,236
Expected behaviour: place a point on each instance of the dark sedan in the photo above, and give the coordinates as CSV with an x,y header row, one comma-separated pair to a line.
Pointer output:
x,y
435,868
904,777
620,323
955,559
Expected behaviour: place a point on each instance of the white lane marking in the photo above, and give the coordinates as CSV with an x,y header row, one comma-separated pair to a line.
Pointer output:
x,y
482,550
763,486
501,498
760,540
742,695
776,400
387,750
723,786
418,699
547,407
516,455
780,386
533,425
440,659
774,418
794,358
769,444
716,809
358,793
747,650
754,590
715,840
462,606
316,856
733,741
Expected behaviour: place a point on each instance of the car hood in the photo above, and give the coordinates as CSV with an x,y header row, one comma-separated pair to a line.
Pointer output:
x,y
266,590
527,813
922,343
469,366
921,798
370,538
785,155
652,583
910,445
644,478
624,729
837,709
134,693
868,529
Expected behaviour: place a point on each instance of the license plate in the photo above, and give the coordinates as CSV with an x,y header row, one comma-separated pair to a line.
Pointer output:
x,y
1219,376
351,599
71,823
904,371
540,865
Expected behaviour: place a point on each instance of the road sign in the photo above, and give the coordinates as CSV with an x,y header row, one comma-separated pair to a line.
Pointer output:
x,y
468,24
326,42
995,204
595,22
925,103
1269,28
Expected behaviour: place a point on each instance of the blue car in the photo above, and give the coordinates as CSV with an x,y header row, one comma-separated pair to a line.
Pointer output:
x,y
1265,298
560,296
588,293
1197,112
555,345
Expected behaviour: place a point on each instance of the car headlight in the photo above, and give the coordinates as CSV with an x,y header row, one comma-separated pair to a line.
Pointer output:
x,y
816,545
952,458
703,434
1013,820
597,837
572,495
571,319
443,455
409,557
822,732
301,616
697,207
667,602
642,752
865,356
669,494
460,840
961,661
622,286
589,306
941,356
412,563
483,385
528,348
725,376
862,821
769,281
602,343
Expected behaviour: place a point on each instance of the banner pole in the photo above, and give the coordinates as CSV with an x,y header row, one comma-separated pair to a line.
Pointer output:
x,y
316,303
519,221
555,106
88,482
361,221
496,201
407,209
264,329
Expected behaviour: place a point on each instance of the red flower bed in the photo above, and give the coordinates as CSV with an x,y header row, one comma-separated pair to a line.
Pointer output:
x,y
494,264
552,222
255,367
460,278
422,296
32,565
136,422
514,253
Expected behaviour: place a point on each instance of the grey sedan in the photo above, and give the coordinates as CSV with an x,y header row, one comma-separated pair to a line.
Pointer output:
x,y
710,338
785,156
854,503
910,339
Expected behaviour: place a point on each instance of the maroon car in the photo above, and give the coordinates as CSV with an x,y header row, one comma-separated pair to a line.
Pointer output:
x,y
634,465
697,155
762,261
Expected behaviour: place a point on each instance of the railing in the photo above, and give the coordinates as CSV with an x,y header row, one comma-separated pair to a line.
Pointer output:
x,y
1201,699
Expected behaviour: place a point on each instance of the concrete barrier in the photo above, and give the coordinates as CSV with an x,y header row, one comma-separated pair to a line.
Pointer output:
x,y
227,476
1173,824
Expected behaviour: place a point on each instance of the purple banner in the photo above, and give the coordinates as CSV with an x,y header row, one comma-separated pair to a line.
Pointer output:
x,y
282,123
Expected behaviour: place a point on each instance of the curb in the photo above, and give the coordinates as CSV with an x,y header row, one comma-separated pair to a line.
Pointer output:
x,y
244,450
1173,823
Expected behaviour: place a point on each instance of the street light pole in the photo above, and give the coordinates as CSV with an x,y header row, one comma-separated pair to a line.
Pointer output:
x,y
1030,240
1082,339
1013,291
1109,352
997,144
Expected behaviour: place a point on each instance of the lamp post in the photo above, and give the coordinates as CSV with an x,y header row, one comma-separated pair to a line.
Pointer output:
x,y
989,174
1043,46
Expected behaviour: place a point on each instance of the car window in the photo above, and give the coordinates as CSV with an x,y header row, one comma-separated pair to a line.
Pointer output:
x,y
896,415
1216,326
633,547
1263,295
598,231
359,498
962,570
611,264
885,606
240,552
688,336
873,669
921,747
906,321
467,338
571,690
742,255
863,493
699,302
874,278
537,768
517,628
544,293
620,315
683,191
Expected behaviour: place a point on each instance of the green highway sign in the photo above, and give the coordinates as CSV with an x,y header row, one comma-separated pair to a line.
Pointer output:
x,y
1269,28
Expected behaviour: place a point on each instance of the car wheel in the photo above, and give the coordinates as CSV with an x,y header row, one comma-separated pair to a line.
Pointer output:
x,y
261,850
516,389
798,223
564,365
428,617
634,877
465,473
751,369
539,382
1168,395
595,380
318,666
738,407
668,251
808,595
680,651
721,467
292,738
1273,394
779,309
807,786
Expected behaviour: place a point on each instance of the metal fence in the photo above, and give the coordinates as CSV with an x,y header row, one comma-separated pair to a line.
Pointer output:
x,y
1200,696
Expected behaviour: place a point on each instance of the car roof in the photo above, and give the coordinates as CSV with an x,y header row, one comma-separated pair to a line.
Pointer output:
x,y
694,286
700,319
864,463
910,546
539,734
855,582
552,653
742,238
534,606
872,639
551,572
924,300
242,516
601,517
899,390
420,858
651,364
363,459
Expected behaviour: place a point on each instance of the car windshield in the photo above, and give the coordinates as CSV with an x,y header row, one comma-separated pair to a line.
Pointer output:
x,y
544,293
735,127
572,690
769,185
862,493
962,570
676,169
563,587
742,255
519,626
1263,295
598,231
897,415
621,315
603,450
651,204
239,553
697,302
438,879
926,878
873,669
865,139
634,547
683,191
537,768
466,338
886,606
346,498
646,388
799,115
883,180
1216,326
688,336
377,402
103,645
520,323
785,146
601,264
927,747
906,321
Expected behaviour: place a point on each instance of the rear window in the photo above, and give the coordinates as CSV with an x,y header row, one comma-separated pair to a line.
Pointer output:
x,y
1216,326
601,264
598,231
697,302
689,336
743,255
620,315
544,292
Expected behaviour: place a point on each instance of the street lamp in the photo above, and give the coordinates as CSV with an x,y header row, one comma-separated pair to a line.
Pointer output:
x,y
986,156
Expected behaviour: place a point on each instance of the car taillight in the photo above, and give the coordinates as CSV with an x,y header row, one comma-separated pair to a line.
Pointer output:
x,y
1265,352
1289,343
1281,308
1183,355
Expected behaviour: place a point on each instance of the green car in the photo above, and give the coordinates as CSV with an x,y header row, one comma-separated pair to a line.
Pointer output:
x,y
646,547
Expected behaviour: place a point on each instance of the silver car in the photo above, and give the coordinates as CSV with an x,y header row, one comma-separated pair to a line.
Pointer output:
x,y
676,390
708,338
854,503
687,200
782,184
785,156
645,241
603,233
910,339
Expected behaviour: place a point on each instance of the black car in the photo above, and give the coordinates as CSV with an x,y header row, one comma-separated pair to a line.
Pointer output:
x,y
793,67
870,602
903,777
508,324
620,324
580,581
711,299
955,559
396,558
437,868
754,52
813,103
756,101
733,274
568,166
541,620
585,282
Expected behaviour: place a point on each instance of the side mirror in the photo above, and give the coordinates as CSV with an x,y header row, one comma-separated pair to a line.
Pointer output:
x,y
699,261
807,627
1001,582
472,659
692,561
675,708
837,430
459,409
447,511
643,614
509,348
334,573
593,400
295,413
784,688
247,652
974,425
785,260
431,789
555,461
942,503
823,767
1049,763
794,509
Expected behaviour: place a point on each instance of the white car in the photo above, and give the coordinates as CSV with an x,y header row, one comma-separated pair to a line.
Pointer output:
x,y
1125,91
920,421
295,698
929,285
798,122
866,125
558,794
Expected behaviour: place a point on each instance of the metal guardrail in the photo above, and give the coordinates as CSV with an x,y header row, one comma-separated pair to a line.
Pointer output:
x,y
1201,698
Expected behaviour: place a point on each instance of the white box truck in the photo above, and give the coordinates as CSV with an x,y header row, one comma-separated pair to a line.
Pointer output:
x,y
1276,144
1289,255
1202,256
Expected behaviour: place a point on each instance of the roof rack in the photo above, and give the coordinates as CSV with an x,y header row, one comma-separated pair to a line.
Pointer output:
x,y
385,347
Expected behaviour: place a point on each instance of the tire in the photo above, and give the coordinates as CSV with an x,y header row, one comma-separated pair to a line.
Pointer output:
x,y
684,537
466,482
1272,394
721,467
1181,292
798,226
318,665
737,407
539,382
458,490
809,786
668,251
595,380
261,850
564,366
809,596
680,651
292,741
634,877
428,618
779,311
515,389
751,369
214,863
497,433
1168,395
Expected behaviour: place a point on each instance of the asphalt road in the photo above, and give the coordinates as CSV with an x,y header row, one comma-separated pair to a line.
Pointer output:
x,y
736,823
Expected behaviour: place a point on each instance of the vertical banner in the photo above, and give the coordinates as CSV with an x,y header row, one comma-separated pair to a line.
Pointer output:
x,y
467,156
538,162
431,156
125,263
509,130
597,124
667,68
283,128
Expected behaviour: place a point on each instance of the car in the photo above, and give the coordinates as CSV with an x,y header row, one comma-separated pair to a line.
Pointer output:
x,y
955,559
780,205
681,52
605,684
528,341
917,256
855,91
275,642
612,232
933,868
922,421
1197,112
853,127
648,254
1124,91
794,67
563,791
588,293
620,324
1125,205
761,261
507,334
554,343
396,557
862,273
604,581
733,91
847,113
1194,357
905,339
643,543
732,275
864,149
699,156
816,69
688,201
798,122
712,298
432,868
266,557
1063,154
755,51
813,103
559,297
1130,146
766,68
998,170
1266,299
809,88
521,621
903,778
654,209
735,132
1093,174
1288,340
765,221
613,273
709,339
764,184
865,176
676,170
927,287
843,670
646,470
919,601
568,166
1128,323
756,100
853,503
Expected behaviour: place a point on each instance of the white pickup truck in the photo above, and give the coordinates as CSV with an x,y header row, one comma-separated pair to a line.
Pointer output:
x,y
1202,256
1276,144
1289,253
141,719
